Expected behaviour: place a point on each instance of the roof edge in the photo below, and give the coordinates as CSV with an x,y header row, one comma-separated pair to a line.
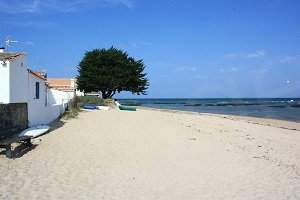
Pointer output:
x,y
32,72
14,55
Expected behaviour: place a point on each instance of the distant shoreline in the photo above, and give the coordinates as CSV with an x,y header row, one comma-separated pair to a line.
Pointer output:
x,y
286,109
211,98
278,123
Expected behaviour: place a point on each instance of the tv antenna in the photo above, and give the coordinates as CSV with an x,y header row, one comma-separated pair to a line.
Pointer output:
x,y
9,41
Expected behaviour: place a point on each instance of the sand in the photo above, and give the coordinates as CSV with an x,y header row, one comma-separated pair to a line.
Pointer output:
x,y
152,154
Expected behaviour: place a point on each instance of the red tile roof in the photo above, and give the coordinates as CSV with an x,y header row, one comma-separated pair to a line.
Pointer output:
x,y
38,74
62,84
41,74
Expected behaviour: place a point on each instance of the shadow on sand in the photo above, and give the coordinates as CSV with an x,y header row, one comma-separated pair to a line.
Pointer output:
x,y
56,124
20,150
61,121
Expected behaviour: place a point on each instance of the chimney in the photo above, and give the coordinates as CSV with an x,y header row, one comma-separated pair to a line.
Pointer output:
x,y
2,49
72,83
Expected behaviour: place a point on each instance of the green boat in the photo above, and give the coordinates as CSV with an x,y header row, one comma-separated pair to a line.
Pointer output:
x,y
130,108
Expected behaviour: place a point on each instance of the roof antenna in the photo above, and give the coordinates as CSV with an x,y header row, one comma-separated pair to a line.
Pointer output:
x,y
9,41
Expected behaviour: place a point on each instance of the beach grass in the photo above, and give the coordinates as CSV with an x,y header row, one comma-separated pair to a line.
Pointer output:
x,y
71,113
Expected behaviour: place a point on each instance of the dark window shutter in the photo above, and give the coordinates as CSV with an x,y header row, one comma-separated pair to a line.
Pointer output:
x,y
37,90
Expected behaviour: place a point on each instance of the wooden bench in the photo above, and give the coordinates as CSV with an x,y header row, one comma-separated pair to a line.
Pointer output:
x,y
11,135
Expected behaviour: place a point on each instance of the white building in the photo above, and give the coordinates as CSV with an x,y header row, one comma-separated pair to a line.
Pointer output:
x,y
21,85
68,85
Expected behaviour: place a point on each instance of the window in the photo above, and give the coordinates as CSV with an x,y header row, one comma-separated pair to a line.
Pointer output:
x,y
37,90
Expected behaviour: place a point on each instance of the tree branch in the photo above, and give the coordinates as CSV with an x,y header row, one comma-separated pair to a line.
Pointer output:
x,y
113,93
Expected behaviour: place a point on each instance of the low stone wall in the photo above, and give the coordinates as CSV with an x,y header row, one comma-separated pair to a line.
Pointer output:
x,y
13,114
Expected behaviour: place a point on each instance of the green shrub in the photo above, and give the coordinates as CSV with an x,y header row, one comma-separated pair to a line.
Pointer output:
x,y
109,102
95,101
90,100
74,102
71,113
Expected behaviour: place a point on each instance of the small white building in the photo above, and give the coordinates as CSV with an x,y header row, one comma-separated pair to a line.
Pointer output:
x,y
13,78
68,85
21,85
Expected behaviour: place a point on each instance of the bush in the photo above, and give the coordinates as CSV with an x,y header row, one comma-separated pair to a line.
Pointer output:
x,y
74,102
77,102
71,113
95,101
72,110
89,100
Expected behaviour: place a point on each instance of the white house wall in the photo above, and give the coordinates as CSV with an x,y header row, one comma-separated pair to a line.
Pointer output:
x,y
4,82
36,107
18,81
43,110
17,85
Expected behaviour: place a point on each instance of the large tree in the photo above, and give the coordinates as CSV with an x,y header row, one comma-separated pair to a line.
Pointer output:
x,y
110,71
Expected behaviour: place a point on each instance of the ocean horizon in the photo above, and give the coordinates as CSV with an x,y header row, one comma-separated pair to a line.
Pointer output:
x,y
273,108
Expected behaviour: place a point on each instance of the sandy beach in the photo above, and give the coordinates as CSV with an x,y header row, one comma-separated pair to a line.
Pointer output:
x,y
152,154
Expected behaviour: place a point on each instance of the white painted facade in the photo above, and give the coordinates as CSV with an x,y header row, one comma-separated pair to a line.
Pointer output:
x,y
4,82
13,79
19,85
48,106
18,80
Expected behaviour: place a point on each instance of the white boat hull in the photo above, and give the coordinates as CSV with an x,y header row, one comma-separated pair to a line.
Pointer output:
x,y
35,131
103,107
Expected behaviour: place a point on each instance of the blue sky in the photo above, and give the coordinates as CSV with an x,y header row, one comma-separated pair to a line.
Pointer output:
x,y
247,48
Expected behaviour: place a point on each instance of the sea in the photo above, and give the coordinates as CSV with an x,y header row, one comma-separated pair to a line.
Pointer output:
x,y
274,108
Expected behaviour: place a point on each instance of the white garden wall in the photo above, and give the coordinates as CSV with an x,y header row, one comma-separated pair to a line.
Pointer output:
x,y
57,97
79,93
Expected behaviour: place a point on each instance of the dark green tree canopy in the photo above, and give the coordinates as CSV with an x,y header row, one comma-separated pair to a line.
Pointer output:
x,y
110,71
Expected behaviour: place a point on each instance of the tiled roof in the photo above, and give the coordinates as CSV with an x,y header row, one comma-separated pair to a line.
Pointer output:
x,y
4,56
38,74
63,84
42,74
59,81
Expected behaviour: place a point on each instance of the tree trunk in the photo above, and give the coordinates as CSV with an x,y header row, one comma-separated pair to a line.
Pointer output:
x,y
104,94
108,94
112,94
